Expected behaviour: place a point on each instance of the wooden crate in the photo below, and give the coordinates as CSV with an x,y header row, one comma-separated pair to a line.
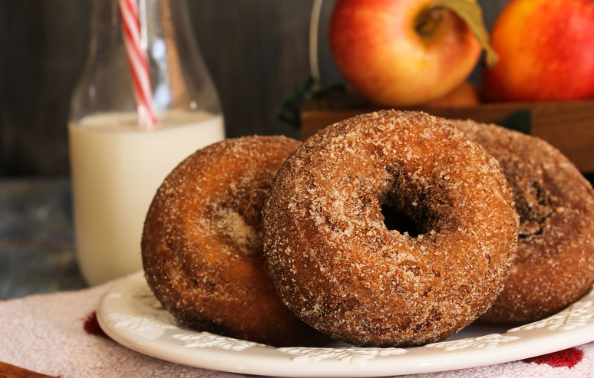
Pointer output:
x,y
569,126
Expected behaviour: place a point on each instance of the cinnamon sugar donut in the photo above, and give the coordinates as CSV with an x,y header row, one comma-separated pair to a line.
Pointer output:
x,y
555,259
202,243
337,265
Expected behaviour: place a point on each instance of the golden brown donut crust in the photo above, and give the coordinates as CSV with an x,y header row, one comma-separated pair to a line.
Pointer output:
x,y
555,259
202,243
337,266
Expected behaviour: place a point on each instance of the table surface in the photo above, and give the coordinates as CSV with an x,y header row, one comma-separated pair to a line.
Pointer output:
x,y
37,252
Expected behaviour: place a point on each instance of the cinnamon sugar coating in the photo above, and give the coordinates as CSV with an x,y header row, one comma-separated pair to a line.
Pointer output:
x,y
339,268
555,259
202,243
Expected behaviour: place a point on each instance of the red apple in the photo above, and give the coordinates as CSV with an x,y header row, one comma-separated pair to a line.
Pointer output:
x,y
546,51
400,53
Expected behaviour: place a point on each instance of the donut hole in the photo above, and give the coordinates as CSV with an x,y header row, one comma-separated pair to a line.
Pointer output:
x,y
397,220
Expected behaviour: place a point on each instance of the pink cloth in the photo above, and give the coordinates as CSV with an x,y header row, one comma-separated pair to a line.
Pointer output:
x,y
47,334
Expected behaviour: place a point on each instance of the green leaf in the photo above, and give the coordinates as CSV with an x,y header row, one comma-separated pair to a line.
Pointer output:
x,y
305,89
472,14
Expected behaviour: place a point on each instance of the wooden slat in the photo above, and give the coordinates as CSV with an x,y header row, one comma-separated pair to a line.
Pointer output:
x,y
11,371
569,126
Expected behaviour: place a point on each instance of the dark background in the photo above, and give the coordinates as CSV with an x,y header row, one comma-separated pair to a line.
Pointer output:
x,y
255,50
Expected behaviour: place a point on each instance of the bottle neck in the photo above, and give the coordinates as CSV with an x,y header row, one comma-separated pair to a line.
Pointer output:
x,y
160,20
178,75
106,35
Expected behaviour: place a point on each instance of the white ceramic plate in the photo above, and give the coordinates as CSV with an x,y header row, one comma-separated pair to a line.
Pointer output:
x,y
131,315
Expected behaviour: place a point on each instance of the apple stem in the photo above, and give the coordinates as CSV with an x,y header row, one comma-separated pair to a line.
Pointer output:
x,y
428,21
472,14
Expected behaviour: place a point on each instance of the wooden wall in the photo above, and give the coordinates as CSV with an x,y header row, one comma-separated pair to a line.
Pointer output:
x,y
255,50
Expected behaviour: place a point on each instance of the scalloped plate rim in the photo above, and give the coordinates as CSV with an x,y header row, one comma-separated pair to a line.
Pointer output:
x,y
344,361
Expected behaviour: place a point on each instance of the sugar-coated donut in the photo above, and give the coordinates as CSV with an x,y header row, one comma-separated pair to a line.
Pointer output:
x,y
555,259
202,243
339,268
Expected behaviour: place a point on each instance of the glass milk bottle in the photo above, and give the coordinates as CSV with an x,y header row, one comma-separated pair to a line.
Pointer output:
x,y
116,166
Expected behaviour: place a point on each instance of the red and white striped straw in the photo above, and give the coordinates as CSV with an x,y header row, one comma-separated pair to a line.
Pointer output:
x,y
139,72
